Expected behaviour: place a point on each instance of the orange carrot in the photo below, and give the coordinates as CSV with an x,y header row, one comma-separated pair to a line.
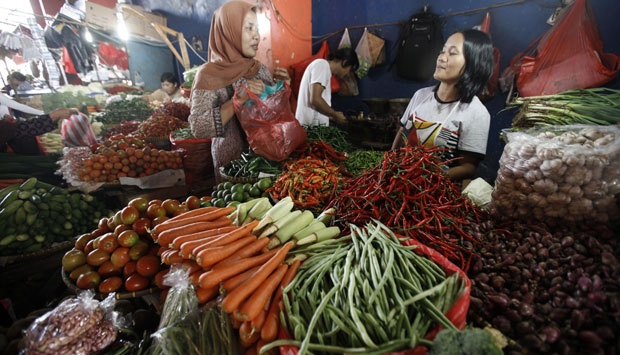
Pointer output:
x,y
269,331
210,256
206,294
259,320
251,350
255,303
247,334
162,249
237,280
201,215
214,276
251,250
166,237
194,277
207,232
226,238
232,300
171,256
199,239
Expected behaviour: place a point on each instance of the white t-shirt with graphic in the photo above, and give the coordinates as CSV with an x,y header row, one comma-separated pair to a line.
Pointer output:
x,y
455,125
317,72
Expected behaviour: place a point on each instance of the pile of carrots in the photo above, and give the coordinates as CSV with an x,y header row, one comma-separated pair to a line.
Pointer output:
x,y
229,261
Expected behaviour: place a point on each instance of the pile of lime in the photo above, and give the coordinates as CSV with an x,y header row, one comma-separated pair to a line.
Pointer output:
x,y
231,194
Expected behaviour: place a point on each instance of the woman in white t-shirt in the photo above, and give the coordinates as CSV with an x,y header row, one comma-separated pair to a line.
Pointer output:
x,y
450,115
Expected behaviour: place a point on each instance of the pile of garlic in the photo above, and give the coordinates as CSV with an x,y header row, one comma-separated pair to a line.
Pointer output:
x,y
560,173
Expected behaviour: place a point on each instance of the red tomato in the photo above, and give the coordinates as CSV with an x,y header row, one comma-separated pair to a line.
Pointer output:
x,y
193,202
87,280
148,265
142,226
129,269
136,282
128,238
140,203
111,284
120,257
108,242
129,215
108,269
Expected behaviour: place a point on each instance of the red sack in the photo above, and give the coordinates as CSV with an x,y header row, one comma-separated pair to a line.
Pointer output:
x,y
270,126
569,56
457,314
77,132
491,89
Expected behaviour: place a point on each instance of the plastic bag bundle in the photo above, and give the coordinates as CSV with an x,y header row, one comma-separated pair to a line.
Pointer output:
x,y
559,174
568,56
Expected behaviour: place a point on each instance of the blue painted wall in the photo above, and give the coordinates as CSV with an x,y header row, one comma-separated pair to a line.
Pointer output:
x,y
513,27
512,30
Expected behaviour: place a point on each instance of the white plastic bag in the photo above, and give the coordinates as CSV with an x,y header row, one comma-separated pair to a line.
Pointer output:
x,y
363,55
479,192
345,41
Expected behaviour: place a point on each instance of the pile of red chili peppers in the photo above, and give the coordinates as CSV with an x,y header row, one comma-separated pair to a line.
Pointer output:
x,y
410,193
310,182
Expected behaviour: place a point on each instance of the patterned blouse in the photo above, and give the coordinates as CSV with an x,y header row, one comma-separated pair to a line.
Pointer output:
x,y
34,126
229,141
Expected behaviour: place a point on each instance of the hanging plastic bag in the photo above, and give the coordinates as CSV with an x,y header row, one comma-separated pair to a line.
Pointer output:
x,y
363,55
345,41
270,126
568,56
491,88
377,49
77,132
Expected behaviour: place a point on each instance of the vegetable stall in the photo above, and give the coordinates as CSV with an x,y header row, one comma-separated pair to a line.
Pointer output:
x,y
334,250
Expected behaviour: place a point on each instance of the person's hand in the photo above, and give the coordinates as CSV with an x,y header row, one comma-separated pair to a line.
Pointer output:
x,y
255,86
62,113
339,118
280,73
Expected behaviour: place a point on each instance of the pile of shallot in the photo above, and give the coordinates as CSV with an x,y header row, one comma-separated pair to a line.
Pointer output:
x,y
559,174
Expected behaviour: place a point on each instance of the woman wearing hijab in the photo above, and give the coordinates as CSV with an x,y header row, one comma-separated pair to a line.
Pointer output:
x,y
233,43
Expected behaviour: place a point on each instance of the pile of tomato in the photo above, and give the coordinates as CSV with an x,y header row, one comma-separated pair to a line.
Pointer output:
x,y
120,254
126,156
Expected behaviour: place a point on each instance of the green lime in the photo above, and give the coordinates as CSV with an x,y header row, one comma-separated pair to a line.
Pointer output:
x,y
227,185
227,197
247,187
218,202
237,196
221,193
214,193
264,183
236,188
233,203
255,191
219,186
246,196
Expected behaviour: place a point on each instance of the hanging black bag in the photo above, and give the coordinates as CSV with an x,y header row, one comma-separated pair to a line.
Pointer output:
x,y
419,45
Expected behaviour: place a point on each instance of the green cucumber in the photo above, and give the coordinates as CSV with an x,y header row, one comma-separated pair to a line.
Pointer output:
x,y
9,197
22,237
7,240
30,207
11,208
20,216
28,184
31,218
25,194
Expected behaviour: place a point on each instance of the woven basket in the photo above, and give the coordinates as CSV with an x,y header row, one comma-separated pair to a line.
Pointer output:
x,y
236,179
118,295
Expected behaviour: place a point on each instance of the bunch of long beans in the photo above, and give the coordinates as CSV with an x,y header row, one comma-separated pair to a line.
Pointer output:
x,y
597,106
371,295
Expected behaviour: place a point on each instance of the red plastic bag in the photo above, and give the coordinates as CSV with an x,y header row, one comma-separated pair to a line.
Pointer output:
x,y
77,132
491,89
270,126
457,314
569,56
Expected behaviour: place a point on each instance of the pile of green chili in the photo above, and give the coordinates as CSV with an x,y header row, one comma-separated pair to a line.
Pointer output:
x,y
371,295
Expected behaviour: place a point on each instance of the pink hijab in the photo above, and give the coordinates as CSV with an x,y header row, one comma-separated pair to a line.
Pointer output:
x,y
226,61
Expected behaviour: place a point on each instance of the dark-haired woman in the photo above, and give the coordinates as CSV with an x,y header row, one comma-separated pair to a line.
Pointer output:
x,y
450,115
